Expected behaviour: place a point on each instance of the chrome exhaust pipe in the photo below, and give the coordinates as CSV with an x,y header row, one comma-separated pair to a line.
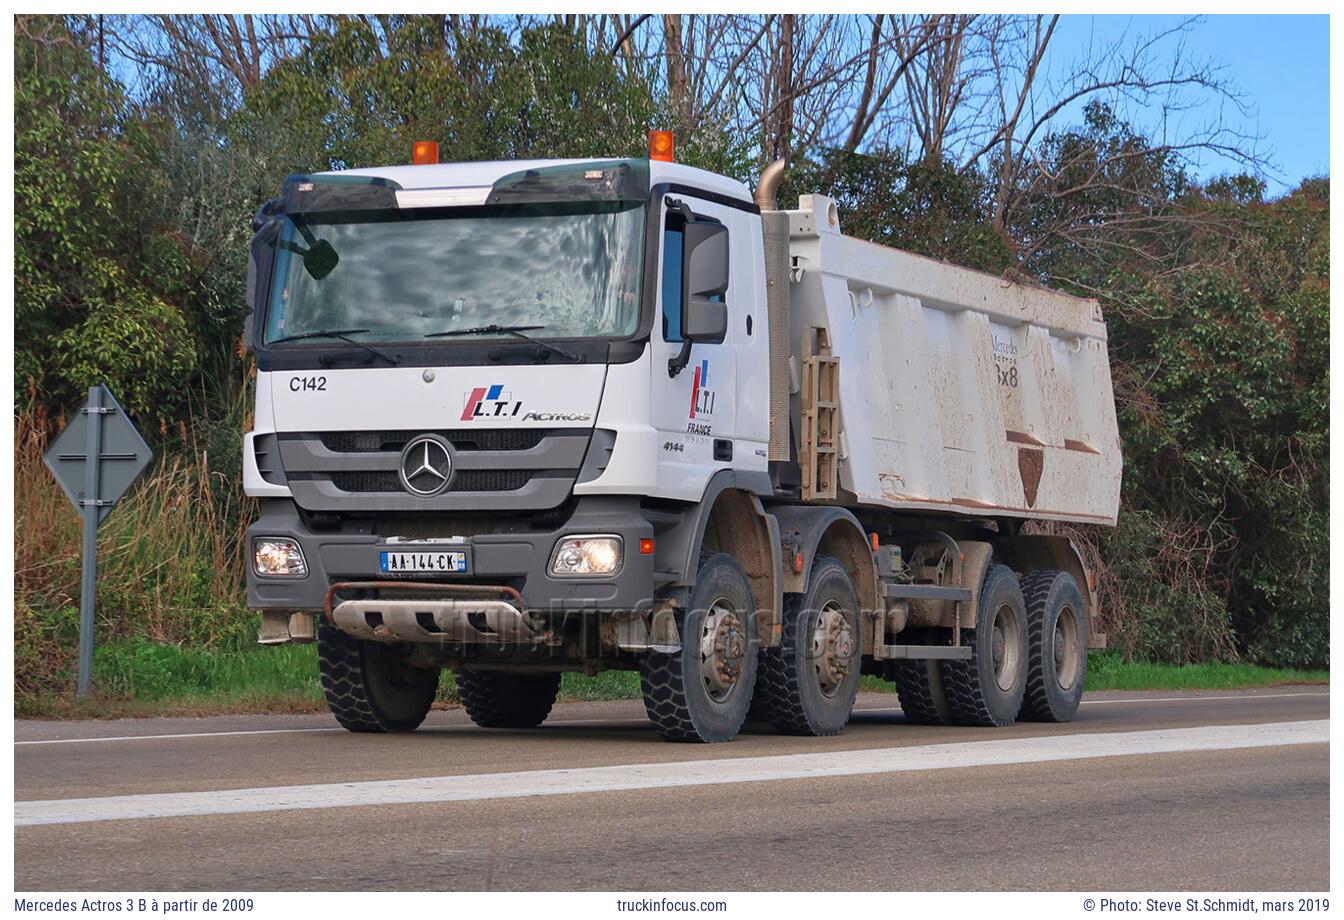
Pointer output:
x,y
767,188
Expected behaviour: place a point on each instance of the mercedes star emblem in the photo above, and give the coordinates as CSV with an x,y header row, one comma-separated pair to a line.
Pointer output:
x,y
426,466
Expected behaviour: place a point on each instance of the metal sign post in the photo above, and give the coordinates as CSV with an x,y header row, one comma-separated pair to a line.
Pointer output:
x,y
95,459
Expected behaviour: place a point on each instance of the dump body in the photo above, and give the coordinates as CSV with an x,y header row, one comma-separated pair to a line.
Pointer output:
x,y
958,390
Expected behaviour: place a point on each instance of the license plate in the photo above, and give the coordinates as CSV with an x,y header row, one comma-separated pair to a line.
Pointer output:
x,y
425,561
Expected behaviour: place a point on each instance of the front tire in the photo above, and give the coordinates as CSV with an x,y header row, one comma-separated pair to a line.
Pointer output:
x,y
988,689
1057,633
702,692
497,699
369,686
807,685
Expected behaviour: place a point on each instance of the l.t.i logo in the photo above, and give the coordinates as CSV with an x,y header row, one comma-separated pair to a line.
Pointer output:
x,y
702,398
490,402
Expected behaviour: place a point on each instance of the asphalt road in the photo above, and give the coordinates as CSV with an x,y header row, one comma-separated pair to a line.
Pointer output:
x,y
1154,791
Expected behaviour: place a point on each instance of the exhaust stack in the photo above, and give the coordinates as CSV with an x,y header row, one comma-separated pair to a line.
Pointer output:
x,y
775,235
769,185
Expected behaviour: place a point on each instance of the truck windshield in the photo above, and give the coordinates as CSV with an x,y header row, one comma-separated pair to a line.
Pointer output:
x,y
572,272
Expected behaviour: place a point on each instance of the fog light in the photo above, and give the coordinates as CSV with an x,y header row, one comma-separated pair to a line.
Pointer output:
x,y
278,556
600,555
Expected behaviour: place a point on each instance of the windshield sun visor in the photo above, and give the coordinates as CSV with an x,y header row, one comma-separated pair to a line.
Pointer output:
x,y
598,180
311,195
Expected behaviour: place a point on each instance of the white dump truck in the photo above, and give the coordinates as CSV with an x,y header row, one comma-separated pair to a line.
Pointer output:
x,y
520,418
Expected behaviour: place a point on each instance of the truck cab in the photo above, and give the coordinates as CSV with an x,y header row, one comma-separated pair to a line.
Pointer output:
x,y
520,318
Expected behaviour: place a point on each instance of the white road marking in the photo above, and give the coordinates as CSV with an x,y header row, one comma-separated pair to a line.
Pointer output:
x,y
1191,699
250,731
1152,699
667,775
621,721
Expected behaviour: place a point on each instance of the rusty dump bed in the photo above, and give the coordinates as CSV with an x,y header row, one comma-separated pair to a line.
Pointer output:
x,y
958,390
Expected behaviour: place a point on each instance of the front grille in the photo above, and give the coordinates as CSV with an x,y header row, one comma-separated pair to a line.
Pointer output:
x,y
494,469
490,480
357,442
463,481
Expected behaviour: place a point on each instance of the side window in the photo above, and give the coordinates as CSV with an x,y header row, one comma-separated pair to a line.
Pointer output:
x,y
672,246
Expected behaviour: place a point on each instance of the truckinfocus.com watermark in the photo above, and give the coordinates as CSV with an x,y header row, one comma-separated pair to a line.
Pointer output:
x,y
669,905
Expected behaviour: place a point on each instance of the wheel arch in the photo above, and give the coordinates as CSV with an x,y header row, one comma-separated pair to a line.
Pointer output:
x,y
812,530
730,518
1027,553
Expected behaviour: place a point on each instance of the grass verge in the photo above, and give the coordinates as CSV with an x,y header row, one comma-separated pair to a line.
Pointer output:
x,y
143,678
1108,671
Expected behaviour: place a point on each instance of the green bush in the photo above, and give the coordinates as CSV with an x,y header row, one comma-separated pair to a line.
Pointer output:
x,y
139,346
928,208
1158,592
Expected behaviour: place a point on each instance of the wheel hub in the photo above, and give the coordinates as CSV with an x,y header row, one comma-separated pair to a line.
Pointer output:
x,y
832,648
1004,644
723,649
1069,648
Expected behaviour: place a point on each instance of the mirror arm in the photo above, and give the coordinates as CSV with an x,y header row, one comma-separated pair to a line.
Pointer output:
x,y
678,364
304,230
681,208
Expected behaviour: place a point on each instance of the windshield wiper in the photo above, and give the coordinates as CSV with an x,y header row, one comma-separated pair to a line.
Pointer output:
x,y
345,336
519,332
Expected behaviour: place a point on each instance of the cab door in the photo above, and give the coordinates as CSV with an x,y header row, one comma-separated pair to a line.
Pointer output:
x,y
693,407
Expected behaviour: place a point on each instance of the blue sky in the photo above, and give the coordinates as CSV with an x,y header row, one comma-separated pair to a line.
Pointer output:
x,y
1281,63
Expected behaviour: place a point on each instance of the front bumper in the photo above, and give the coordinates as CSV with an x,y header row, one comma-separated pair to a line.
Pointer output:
x,y
520,560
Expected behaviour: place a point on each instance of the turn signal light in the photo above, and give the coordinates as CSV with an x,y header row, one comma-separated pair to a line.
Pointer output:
x,y
645,546
660,146
424,153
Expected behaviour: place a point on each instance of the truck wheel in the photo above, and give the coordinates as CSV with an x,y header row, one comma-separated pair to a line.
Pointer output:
x,y
496,699
807,685
368,685
1057,631
702,692
988,689
919,686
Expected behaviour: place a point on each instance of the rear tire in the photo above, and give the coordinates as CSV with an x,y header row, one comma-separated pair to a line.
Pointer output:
x,y
369,686
919,686
702,692
807,685
988,689
1057,634
497,699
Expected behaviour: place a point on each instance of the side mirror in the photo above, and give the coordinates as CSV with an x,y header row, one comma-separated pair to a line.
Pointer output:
x,y
704,281
705,268
704,320
320,260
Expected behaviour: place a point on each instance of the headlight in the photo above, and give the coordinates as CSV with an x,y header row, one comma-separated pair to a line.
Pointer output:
x,y
600,555
278,556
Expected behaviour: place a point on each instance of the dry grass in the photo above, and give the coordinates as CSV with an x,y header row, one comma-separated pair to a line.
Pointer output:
x,y
169,558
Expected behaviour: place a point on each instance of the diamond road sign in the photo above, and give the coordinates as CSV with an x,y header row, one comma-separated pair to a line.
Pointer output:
x,y
95,459
100,432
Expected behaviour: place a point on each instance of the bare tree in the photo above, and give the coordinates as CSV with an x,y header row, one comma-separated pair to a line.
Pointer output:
x,y
1012,157
234,50
935,90
1133,80
980,91
908,40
